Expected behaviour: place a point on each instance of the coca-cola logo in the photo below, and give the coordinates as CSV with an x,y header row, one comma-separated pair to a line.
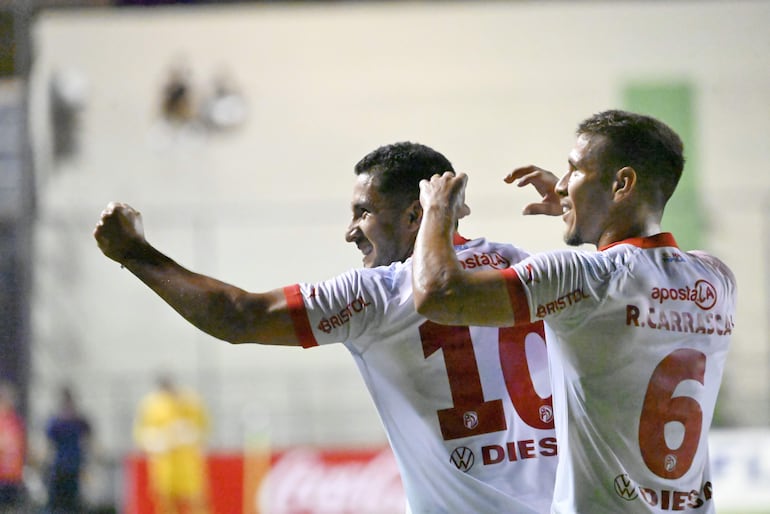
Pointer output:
x,y
306,481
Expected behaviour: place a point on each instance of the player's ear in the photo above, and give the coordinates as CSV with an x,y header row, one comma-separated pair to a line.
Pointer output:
x,y
414,214
624,183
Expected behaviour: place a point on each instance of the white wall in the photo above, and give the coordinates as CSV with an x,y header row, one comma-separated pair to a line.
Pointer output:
x,y
492,85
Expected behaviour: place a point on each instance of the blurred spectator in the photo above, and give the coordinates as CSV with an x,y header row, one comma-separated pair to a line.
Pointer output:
x,y
68,432
225,108
12,452
177,104
171,428
68,92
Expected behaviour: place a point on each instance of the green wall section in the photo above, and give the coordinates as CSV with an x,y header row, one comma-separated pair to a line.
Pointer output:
x,y
674,104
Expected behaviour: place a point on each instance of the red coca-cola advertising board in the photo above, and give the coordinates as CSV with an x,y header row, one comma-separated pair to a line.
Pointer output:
x,y
292,481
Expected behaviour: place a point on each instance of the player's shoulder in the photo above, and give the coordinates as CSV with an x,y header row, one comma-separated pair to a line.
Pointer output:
x,y
572,263
713,262
494,251
387,277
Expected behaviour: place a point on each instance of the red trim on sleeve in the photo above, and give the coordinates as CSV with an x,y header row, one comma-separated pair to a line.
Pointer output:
x,y
517,296
299,317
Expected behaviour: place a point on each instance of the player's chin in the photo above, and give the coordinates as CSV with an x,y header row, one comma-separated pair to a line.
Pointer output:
x,y
368,261
572,237
373,260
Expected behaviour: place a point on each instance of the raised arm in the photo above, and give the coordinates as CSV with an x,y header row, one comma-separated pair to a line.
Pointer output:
x,y
443,291
219,309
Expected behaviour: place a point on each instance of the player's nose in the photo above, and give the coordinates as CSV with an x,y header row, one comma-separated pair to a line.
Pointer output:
x,y
352,232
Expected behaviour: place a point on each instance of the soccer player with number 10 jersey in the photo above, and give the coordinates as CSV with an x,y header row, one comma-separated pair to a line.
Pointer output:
x,y
467,410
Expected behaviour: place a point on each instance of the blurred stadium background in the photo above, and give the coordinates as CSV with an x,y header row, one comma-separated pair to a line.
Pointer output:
x,y
243,171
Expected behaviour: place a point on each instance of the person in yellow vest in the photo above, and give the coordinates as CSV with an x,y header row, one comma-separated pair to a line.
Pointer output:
x,y
171,428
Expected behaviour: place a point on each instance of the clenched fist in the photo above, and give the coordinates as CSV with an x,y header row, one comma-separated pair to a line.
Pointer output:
x,y
119,232
447,193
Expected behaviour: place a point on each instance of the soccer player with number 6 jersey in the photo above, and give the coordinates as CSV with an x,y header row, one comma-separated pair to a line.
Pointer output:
x,y
638,332
467,410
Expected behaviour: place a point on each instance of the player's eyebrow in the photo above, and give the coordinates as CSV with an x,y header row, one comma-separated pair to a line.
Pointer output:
x,y
361,204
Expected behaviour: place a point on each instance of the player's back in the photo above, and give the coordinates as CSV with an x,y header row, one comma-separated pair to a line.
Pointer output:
x,y
638,335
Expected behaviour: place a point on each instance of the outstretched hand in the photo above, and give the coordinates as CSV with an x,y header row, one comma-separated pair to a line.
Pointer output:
x,y
445,192
119,231
544,182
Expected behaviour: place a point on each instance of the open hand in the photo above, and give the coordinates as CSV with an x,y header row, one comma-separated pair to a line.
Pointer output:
x,y
544,182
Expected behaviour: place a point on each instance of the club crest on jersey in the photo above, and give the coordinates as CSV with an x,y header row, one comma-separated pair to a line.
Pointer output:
x,y
669,462
546,413
470,420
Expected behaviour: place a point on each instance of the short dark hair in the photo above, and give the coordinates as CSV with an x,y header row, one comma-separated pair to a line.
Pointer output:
x,y
646,144
398,169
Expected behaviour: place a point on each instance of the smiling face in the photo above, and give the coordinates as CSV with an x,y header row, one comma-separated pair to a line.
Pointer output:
x,y
383,229
587,196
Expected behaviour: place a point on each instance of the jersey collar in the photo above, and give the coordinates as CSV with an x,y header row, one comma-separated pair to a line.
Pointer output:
x,y
656,241
457,239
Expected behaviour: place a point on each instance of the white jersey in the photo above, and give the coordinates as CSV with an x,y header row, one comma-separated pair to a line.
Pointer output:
x,y
637,339
467,411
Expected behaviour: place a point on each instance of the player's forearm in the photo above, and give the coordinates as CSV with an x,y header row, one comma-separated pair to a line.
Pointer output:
x,y
435,270
213,306
443,291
